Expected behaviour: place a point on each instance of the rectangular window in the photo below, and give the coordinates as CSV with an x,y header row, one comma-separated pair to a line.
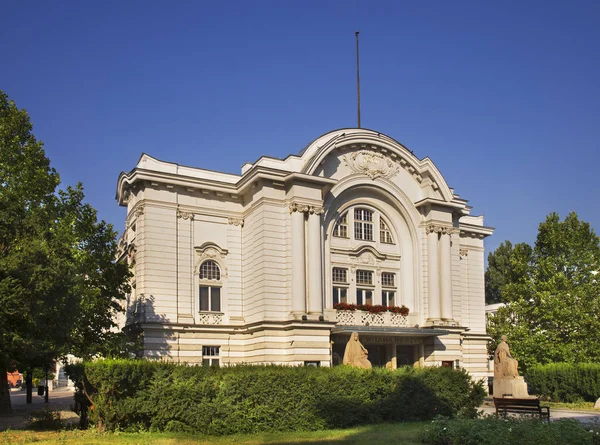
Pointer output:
x,y
388,279
210,299
364,296
340,295
363,224
340,275
388,298
364,277
210,356
204,291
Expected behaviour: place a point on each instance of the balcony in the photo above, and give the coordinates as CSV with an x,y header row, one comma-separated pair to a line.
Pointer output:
x,y
365,318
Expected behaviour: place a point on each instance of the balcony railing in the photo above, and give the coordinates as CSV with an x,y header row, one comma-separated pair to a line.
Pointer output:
x,y
363,318
210,317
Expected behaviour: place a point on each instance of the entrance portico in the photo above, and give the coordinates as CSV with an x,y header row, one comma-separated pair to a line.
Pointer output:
x,y
388,347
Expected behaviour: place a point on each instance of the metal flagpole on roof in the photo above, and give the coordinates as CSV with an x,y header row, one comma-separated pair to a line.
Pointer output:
x,y
357,80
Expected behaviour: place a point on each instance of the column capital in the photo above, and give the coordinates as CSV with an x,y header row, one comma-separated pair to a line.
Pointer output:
x,y
296,207
184,215
235,221
316,210
439,228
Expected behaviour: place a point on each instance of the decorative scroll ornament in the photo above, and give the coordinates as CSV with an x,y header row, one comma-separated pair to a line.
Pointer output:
x,y
316,210
236,221
372,164
463,252
367,258
140,210
126,196
211,251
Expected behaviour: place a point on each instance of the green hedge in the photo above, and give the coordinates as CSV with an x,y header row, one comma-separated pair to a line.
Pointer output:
x,y
136,395
565,382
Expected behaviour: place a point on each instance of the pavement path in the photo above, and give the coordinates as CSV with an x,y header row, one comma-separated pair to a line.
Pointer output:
x,y
58,400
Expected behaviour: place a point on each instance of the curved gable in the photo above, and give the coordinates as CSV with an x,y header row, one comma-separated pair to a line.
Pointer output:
x,y
375,155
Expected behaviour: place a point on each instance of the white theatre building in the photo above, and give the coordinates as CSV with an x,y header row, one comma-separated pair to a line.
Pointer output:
x,y
247,268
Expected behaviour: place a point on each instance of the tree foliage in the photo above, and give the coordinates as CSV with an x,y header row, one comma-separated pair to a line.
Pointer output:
x,y
552,295
59,284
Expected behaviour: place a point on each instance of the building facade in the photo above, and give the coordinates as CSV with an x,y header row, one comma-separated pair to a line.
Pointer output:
x,y
269,266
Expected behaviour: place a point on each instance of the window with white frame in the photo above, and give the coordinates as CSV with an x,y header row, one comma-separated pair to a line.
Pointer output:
x,y
388,289
340,285
341,228
210,356
385,235
210,287
363,224
364,295
364,277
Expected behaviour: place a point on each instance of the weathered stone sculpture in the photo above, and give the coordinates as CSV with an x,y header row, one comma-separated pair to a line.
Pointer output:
x,y
507,381
356,354
505,367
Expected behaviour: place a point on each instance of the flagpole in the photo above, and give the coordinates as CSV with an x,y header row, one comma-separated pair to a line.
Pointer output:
x,y
357,80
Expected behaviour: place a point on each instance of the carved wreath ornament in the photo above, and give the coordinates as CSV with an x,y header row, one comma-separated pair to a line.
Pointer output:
x,y
372,164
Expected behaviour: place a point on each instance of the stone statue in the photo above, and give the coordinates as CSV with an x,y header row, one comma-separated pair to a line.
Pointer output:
x,y
356,354
505,367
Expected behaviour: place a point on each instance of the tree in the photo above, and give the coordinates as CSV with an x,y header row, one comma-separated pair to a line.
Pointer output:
x,y
553,295
60,287
498,272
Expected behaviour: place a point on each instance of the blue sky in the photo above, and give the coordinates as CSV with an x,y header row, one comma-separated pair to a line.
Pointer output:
x,y
504,97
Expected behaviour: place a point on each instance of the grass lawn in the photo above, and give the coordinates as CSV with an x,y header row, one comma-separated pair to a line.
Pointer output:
x,y
400,433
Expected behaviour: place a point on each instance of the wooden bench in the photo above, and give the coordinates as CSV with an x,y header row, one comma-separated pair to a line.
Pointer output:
x,y
507,405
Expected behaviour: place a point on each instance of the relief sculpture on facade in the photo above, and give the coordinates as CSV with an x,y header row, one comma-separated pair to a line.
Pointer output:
x,y
372,164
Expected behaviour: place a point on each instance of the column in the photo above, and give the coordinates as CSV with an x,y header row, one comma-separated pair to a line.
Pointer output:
x,y
298,261
446,275
433,267
315,290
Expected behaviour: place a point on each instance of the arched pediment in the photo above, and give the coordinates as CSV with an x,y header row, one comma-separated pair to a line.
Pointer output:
x,y
368,255
373,155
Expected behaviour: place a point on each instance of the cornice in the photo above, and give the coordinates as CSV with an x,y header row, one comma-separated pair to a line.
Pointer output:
x,y
191,184
458,204
472,231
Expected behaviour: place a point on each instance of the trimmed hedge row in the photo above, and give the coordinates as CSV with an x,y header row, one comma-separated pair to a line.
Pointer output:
x,y
566,382
136,395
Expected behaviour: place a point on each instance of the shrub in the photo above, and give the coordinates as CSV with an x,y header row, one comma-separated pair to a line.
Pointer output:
x,y
498,431
566,382
45,420
144,395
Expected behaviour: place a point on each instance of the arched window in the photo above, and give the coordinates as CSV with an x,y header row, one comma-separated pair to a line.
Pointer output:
x,y
209,270
385,235
210,286
341,228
